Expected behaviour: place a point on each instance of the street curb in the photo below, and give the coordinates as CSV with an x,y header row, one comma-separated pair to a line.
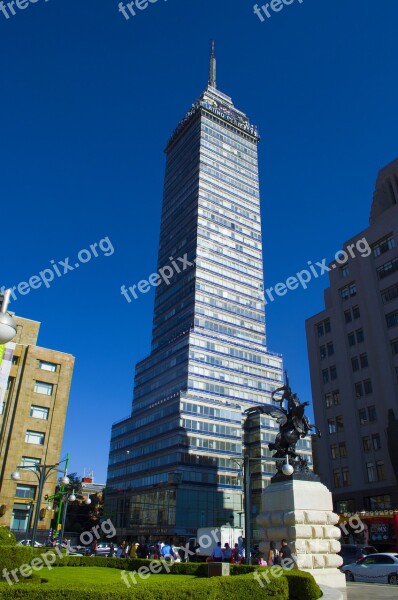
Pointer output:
x,y
331,593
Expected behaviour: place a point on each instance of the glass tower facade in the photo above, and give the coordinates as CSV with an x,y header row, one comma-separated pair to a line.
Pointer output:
x,y
174,464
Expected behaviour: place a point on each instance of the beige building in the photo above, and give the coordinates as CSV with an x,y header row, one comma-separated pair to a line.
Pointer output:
x,y
34,393
353,355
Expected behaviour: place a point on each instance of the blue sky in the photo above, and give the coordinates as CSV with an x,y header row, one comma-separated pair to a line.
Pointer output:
x,y
88,102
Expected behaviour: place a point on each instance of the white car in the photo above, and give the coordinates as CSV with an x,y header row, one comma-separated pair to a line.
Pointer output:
x,y
29,543
374,568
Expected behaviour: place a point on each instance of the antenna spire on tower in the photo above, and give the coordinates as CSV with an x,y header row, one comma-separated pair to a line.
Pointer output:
x,y
213,67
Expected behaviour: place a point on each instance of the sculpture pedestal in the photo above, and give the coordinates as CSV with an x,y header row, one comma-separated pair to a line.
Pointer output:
x,y
302,512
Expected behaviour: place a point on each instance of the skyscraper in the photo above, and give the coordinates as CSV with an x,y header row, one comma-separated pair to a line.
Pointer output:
x,y
353,355
173,465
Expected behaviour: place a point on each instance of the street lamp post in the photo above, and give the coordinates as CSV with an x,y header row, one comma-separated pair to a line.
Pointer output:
x,y
245,462
8,327
68,498
42,473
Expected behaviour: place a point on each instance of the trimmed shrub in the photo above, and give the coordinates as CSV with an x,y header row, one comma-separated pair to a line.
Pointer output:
x,y
7,538
302,586
216,588
12,557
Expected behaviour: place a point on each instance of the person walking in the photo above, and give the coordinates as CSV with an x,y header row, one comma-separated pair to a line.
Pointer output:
x,y
273,555
286,553
217,554
227,553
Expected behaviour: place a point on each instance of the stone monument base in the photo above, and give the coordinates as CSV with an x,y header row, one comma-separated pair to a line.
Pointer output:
x,y
300,509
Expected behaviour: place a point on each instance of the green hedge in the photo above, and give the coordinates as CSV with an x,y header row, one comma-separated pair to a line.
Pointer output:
x,y
216,588
7,538
12,557
302,585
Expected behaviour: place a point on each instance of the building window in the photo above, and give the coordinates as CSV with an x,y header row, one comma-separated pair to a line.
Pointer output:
x,y
331,426
351,339
344,506
392,319
366,444
358,389
34,437
44,388
322,352
336,398
355,363
380,470
29,461
334,449
39,412
376,443
323,328
372,414
363,418
15,360
332,399
394,346
346,477
349,291
383,246
344,271
47,366
347,316
389,267
337,478
359,335
343,450
333,373
339,424
25,491
356,312
364,360
330,349
325,375
389,294
371,473
379,502
367,386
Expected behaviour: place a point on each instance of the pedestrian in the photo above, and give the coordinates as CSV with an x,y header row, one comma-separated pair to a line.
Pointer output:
x,y
192,547
167,552
227,553
286,553
273,555
217,554
133,550
237,555
94,547
111,550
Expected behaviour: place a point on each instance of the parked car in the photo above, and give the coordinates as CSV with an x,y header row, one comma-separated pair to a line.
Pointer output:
x,y
103,549
375,568
29,543
350,553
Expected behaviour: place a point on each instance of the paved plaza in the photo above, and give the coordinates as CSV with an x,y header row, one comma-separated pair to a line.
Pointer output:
x,y
370,591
